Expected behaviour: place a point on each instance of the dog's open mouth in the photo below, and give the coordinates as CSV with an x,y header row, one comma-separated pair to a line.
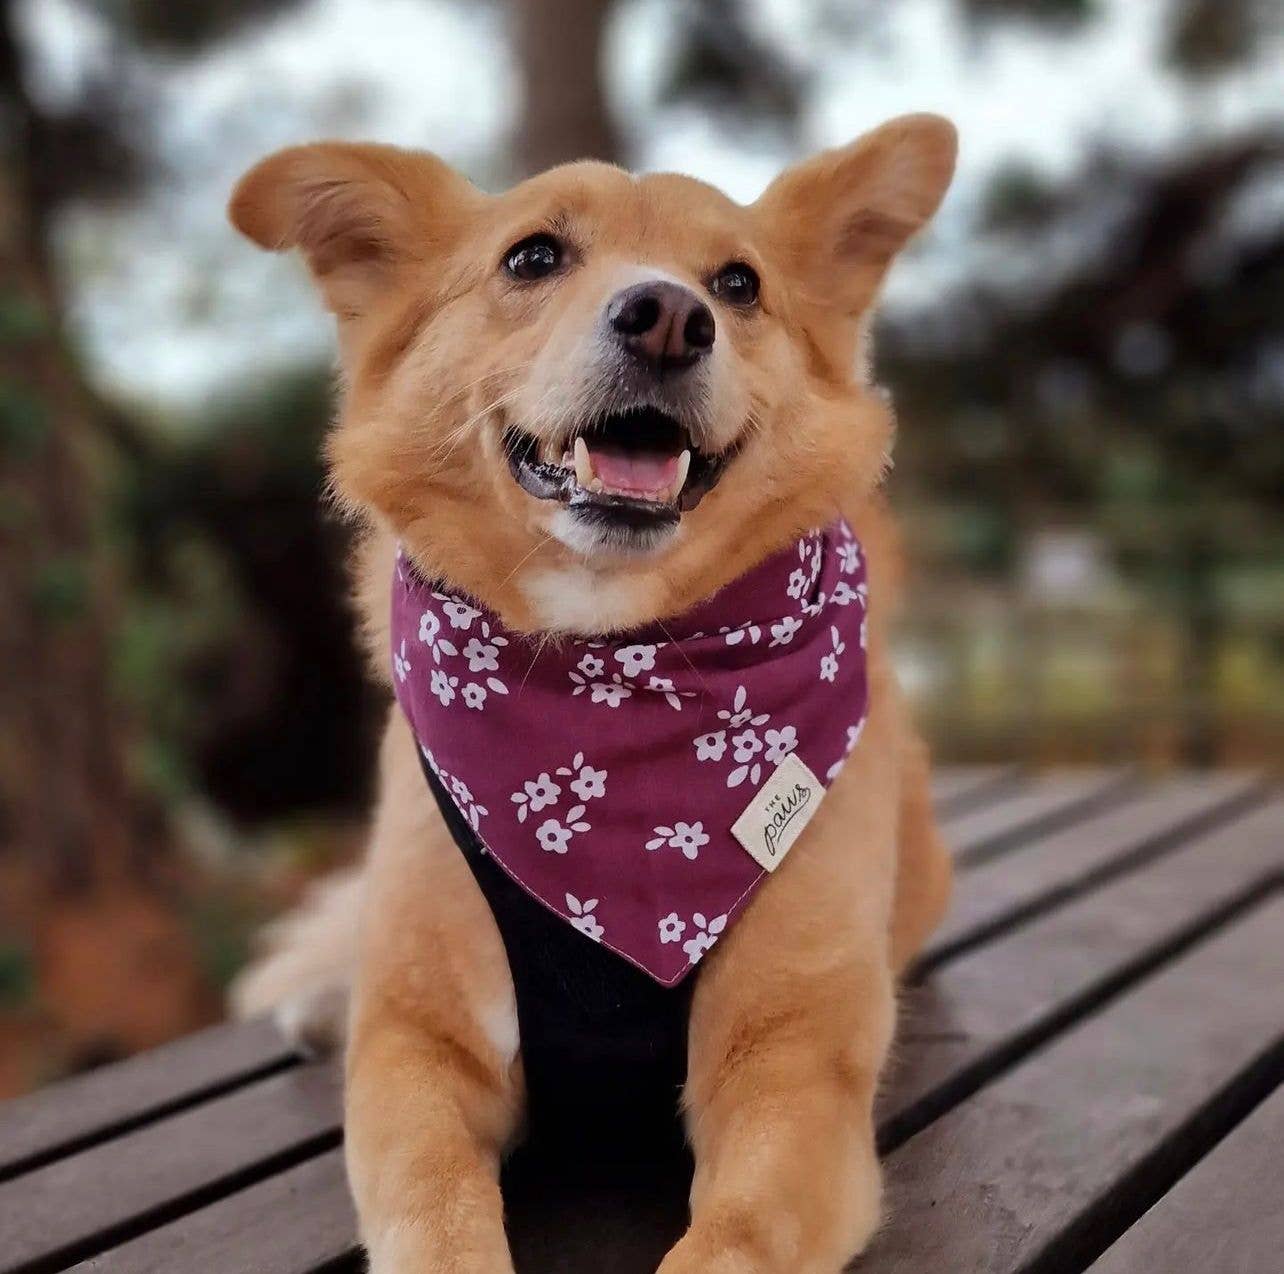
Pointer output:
x,y
632,468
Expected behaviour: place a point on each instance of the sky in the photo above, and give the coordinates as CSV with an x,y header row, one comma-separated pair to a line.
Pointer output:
x,y
172,310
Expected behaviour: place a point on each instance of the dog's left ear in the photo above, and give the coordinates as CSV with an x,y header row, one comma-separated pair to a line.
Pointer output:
x,y
838,220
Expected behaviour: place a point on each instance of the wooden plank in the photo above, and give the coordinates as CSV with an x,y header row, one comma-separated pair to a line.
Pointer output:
x,y
976,1015
562,1216
82,1203
958,785
299,1220
997,1002
1063,1151
1224,1216
73,1114
1029,809
1054,867
1225,862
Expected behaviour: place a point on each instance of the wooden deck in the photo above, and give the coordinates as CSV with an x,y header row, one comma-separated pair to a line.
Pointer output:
x,y
1088,1077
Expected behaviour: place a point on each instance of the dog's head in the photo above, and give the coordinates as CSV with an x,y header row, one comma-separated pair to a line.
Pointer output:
x,y
597,397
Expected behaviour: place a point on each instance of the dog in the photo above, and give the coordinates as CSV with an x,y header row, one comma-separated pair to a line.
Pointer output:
x,y
596,406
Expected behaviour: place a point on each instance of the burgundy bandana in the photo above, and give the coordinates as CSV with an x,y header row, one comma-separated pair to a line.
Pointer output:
x,y
642,787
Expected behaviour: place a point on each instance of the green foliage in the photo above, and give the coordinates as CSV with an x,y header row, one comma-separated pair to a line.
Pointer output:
x,y
173,624
1018,197
223,927
186,25
722,61
22,318
59,590
24,421
1065,13
1211,36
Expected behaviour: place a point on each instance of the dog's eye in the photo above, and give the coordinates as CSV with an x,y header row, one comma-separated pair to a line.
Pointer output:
x,y
534,257
736,284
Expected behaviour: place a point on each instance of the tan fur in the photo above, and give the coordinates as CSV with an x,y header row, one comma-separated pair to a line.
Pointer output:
x,y
307,972
793,1013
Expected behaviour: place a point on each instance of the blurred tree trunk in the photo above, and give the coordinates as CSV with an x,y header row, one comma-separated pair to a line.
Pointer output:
x,y
564,114
63,774
77,838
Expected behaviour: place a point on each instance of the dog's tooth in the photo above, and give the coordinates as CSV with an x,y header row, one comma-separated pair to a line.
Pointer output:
x,y
684,466
597,486
583,465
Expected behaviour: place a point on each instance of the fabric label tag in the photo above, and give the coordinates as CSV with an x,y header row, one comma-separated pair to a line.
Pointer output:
x,y
776,816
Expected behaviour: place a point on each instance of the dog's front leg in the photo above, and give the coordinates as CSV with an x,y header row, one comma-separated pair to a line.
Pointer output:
x,y
790,1026
433,1084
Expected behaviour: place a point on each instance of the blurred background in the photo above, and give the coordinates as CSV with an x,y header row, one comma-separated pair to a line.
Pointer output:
x,y
1087,351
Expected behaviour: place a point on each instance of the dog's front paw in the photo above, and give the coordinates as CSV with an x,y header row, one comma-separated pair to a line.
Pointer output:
x,y
724,1248
766,1241
411,1249
692,1256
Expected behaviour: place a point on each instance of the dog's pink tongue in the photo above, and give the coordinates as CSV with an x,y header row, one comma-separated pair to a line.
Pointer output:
x,y
646,474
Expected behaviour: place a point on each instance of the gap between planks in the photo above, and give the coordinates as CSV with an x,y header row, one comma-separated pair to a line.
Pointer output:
x,y
1073,1142
1029,809
1057,867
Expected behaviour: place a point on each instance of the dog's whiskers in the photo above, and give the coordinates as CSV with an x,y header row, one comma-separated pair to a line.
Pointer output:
x,y
544,639
677,645
441,449
526,558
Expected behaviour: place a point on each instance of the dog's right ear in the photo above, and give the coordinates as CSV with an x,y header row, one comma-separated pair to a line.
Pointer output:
x,y
357,211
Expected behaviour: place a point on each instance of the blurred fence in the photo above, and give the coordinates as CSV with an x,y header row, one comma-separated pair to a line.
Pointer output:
x,y
998,677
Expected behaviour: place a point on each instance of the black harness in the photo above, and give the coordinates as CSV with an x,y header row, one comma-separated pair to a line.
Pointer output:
x,y
604,1047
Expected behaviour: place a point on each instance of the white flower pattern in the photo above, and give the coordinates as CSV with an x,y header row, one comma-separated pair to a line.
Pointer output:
x,y
552,836
591,783
430,635
686,837
536,794
689,838
741,732
711,747
829,662
400,664
636,659
752,633
746,744
706,935
611,693
555,833
460,614
783,632
780,743
459,792
443,685
672,927
673,696
582,917
483,656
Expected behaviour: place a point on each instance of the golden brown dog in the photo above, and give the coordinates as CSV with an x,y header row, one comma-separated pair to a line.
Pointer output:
x,y
463,317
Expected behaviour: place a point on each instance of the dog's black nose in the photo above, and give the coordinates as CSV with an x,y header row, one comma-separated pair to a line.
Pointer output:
x,y
663,324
